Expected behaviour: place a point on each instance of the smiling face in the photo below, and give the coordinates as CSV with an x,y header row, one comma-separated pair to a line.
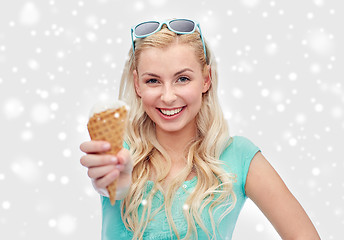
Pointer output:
x,y
170,82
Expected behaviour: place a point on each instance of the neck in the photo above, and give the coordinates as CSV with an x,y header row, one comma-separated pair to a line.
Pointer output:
x,y
175,143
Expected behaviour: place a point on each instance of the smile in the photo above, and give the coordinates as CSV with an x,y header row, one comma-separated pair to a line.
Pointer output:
x,y
171,112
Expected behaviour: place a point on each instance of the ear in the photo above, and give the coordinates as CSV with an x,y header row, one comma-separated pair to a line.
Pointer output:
x,y
207,80
136,83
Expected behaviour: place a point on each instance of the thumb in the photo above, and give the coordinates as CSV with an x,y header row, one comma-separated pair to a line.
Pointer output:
x,y
124,158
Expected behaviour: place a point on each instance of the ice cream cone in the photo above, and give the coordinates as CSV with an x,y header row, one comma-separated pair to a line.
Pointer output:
x,y
109,125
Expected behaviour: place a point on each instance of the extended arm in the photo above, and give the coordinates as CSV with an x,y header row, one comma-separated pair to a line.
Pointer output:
x,y
267,190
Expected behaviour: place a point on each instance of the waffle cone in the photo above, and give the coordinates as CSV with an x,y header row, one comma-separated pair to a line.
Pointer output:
x,y
109,126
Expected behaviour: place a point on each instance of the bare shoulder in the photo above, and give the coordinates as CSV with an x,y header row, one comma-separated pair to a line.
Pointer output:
x,y
268,191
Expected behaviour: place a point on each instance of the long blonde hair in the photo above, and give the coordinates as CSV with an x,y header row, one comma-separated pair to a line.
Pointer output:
x,y
214,186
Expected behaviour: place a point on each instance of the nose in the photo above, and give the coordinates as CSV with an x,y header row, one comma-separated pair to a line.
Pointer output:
x,y
168,95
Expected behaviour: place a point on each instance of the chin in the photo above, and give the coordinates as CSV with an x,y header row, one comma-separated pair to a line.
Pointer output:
x,y
170,129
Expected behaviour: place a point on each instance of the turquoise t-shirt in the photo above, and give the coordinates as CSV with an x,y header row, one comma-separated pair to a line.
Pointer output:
x,y
237,156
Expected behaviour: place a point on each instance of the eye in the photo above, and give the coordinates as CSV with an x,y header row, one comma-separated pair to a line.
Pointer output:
x,y
183,79
152,81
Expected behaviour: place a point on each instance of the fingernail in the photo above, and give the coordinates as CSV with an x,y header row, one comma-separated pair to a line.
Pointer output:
x,y
119,166
113,159
106,146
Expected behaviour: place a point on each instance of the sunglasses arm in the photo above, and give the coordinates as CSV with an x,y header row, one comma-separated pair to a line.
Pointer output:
x,y
132,40
200,33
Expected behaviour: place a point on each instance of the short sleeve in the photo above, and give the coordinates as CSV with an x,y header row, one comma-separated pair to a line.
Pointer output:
x,y
238,157
249,151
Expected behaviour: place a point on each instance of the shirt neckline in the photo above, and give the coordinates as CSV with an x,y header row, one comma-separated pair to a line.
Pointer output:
x,y
191,181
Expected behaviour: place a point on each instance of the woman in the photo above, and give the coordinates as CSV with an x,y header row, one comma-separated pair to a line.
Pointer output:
x,y
180,175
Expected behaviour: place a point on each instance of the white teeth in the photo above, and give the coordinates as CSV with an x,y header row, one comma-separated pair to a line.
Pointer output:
x,y
171,112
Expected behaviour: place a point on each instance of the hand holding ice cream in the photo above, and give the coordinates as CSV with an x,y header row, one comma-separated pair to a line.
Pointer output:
x,y
107,123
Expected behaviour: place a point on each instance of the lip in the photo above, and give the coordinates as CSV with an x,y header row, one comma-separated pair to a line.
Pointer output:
x,y
173,116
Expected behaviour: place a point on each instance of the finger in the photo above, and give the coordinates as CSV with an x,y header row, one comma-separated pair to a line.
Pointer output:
x,y
124,158
95,146
120,167
99,172
107,179
96,160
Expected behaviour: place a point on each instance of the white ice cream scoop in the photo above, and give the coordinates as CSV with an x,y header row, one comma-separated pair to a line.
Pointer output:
x,y
102,106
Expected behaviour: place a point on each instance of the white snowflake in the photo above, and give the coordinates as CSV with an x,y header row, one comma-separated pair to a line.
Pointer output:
x,y
41,113
29,14
65,224
25,169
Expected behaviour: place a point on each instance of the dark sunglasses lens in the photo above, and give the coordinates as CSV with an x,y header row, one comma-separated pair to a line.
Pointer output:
x,y
146,28
182,25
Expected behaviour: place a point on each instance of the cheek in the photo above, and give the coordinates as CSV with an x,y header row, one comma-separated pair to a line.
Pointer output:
x,y
148,98
193,96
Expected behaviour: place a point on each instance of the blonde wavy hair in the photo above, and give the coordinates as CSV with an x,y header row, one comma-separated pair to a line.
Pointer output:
x,y
214,185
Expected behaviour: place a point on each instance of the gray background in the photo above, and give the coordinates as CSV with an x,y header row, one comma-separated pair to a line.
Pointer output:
x,y
281,85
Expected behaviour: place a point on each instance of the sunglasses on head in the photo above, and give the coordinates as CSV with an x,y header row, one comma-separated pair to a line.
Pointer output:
x,y
179,26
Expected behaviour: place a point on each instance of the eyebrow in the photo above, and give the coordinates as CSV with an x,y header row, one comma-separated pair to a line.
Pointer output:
x,y
176,74
182,71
